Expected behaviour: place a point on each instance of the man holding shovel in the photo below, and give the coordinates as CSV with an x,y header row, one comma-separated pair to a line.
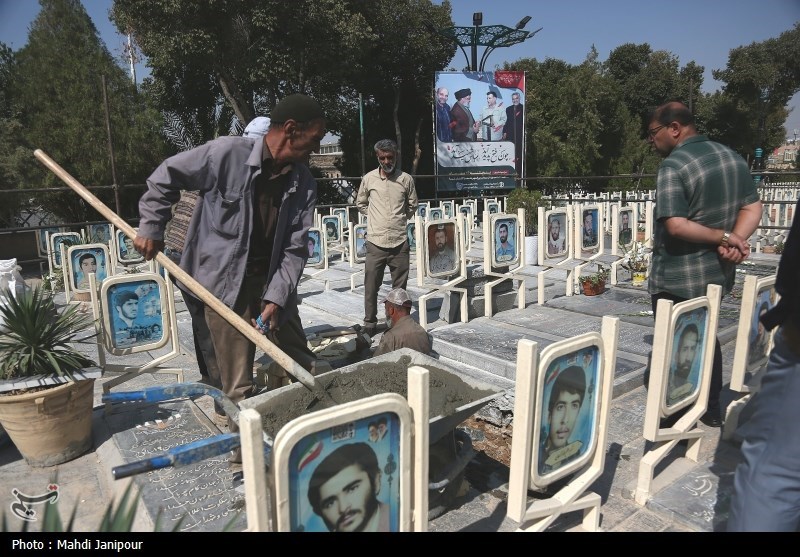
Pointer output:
x,y
247,240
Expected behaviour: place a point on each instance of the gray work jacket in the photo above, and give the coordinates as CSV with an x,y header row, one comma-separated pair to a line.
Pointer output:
x,y
217,241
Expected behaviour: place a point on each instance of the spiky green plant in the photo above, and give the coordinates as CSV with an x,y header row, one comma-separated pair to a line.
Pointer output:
x,y
38,341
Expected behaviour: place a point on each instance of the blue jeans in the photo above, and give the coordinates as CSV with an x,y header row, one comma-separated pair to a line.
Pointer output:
x,y
767,483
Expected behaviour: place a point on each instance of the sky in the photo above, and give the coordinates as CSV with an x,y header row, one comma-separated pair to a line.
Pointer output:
x,y
701,30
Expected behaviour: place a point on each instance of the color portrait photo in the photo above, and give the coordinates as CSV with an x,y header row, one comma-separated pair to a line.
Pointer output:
x,y
316,249
346,478
85,261
557,234
589,229
686,358
134,313
126,253
569,410
504,240
443,254
759,340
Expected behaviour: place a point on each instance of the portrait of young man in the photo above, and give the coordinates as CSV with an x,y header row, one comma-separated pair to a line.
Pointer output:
x,y
556,235
504,238
441,253
561,444
625,233
685,364
589,229
314,248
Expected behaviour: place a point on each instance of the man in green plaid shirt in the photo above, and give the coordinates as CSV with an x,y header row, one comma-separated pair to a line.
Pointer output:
x,y
706,209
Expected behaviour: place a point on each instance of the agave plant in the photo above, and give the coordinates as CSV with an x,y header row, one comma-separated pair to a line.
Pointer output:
x,y
38,341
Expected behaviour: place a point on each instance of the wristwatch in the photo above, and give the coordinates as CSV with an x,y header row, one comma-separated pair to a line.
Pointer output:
x,y
725,237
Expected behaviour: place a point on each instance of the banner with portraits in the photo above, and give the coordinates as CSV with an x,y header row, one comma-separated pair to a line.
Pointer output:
x,y
479,130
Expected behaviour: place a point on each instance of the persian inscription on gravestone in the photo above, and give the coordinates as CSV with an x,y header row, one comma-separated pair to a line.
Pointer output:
x,y
201,495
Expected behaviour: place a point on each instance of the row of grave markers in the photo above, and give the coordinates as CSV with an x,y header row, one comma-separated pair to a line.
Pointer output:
x,y
561,428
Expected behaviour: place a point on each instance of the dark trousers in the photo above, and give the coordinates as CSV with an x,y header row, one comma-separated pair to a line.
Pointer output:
x,y
203,345
715,388
236,354
397,258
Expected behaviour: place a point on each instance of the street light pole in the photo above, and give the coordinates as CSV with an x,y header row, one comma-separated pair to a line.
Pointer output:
x,y
489,36
477,21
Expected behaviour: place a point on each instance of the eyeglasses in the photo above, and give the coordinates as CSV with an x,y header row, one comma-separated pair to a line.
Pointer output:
x,y
651,133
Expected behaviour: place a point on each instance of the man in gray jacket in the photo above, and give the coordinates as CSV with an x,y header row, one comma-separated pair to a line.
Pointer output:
x,y
247,240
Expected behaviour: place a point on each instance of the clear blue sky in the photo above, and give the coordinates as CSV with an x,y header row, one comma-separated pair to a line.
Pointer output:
x,y
701,30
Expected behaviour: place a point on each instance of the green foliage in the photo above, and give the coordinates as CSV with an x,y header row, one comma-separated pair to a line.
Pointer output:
x,y
56,92
38,338
530,200
600,275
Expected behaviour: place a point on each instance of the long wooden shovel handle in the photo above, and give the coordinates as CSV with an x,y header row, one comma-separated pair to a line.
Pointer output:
x,y
293,368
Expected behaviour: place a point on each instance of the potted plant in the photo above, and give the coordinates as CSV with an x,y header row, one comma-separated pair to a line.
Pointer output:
x,y
530,200
46,390
595,283
637,261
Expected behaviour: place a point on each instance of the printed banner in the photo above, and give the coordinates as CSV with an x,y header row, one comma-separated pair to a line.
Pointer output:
x,y
479,126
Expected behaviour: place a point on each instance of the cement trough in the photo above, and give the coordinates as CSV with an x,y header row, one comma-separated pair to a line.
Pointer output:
x,y
454,394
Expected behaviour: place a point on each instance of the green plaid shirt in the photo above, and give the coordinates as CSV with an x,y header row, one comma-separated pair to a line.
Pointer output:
x,y
707,183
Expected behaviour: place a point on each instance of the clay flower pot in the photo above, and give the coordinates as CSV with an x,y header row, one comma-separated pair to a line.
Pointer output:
x,y
593,289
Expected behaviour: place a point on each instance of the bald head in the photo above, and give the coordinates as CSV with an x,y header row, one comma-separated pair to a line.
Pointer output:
x,y
672,112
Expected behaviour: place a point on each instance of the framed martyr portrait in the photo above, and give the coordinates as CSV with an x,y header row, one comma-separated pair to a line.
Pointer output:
x,y
360,235
759,339
626,226
85,259
443,255
346,469
567,399
344,217
448,209
99,233
492,207
505,237
590,228
332,225
41,239
422,210
58,239
126,253
411,236
134,310
435,213
466,210
557,233
317,245
686,347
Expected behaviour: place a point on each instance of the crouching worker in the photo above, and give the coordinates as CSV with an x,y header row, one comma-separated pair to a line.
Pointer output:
x,y
403,331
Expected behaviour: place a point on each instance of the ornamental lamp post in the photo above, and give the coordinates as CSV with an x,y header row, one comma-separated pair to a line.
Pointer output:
x,y
488,36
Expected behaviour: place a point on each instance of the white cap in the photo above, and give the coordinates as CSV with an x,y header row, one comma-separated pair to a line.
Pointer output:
x,y
398,297
257,127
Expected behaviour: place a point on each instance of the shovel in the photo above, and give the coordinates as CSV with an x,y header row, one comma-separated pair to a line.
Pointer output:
x,y
292,368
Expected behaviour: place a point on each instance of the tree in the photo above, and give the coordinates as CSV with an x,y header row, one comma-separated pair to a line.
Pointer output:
x,y
253,52
57,91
